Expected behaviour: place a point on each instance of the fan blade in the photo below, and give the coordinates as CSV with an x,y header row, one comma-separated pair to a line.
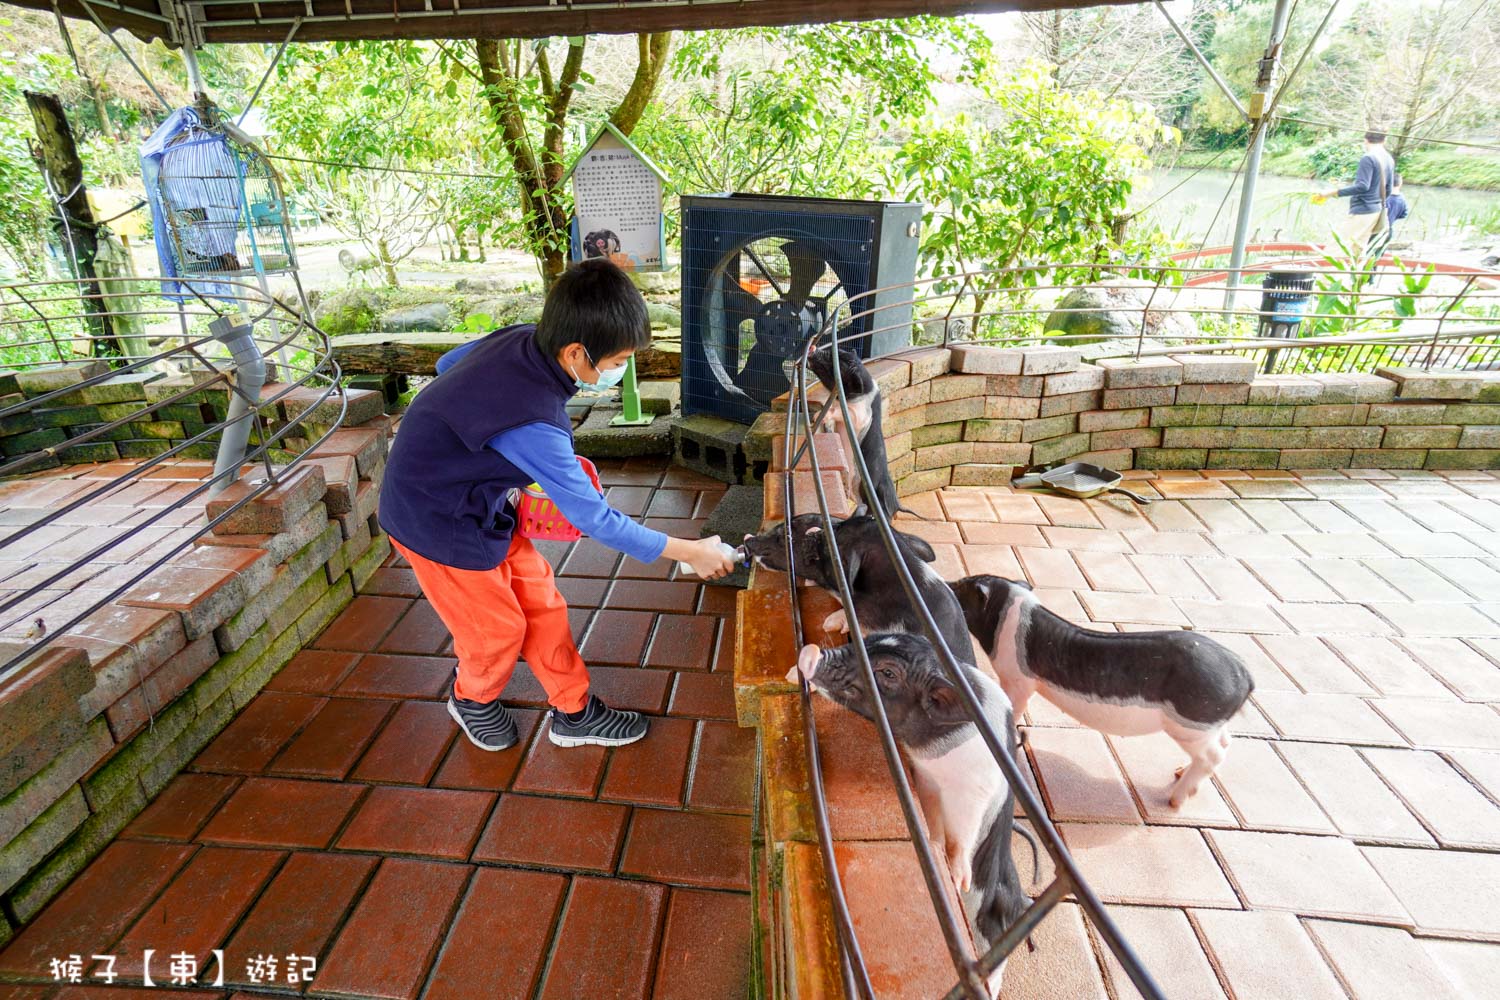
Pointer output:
x,y
739,303
807,268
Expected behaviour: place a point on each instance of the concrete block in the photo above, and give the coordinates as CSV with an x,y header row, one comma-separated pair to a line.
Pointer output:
x,y
927,363
1196,415
660,397
1048,427
890,373
1129,399
999,453
1271,437
1479,436
1315,458
986,360
1171,458
1414,383
27,849
955,409
1371,388
91,837
931,434
33,797
1214,392
1083,379
907,398
1117,459
1012,407
1274,389
1259,415
1198,437
1114,420
1215,368
1013,385
1469,458
1388,458
922,481
942,455
949,387
1139,437
1129,373
365,566
982,475
1346,437
595,438
274,510
1073,402
1441,436
40,381
1060,449
1390,414
1049,360
992,430
1243,459
907,420
1469,413
1331,415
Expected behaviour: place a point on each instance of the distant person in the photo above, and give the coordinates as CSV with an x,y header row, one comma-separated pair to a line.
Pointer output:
x,y
1373,181
1396,207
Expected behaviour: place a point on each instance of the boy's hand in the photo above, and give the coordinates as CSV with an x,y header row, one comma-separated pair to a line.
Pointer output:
x,y
705,556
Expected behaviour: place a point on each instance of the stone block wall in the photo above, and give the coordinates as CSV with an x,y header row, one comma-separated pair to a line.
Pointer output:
x,y
99,720
143,435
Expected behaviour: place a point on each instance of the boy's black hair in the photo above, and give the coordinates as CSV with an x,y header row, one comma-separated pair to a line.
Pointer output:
x,y
594,303
1374,137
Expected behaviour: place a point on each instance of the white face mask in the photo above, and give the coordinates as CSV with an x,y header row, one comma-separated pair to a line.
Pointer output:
x,y
607,379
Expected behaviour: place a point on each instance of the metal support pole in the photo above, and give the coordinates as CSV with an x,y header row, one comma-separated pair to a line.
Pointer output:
x,y
1265,82
630,397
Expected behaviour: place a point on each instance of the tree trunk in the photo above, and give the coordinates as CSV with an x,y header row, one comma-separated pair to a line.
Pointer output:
x,y
383,254
56,155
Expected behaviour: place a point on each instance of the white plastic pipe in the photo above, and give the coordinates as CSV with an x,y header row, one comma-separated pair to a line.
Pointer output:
x,y
236,332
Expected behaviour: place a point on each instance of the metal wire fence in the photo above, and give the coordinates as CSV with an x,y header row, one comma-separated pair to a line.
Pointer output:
x,y
44,323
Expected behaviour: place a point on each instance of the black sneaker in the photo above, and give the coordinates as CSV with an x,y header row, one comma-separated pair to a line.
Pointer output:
x,y
599,726
488,725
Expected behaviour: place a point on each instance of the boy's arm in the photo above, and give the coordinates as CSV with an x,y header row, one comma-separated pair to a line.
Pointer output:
x,y
545,453
451,358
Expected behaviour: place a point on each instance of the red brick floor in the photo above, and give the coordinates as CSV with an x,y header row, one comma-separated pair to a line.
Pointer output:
x,y
1349,847
341,817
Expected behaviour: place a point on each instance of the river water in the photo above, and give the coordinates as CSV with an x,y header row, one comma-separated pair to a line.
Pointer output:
x,y
1284,211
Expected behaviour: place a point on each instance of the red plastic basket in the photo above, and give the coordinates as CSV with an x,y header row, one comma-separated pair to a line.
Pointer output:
x,y
540,518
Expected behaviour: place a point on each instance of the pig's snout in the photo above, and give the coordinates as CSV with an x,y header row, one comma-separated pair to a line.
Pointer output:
x,y
807,663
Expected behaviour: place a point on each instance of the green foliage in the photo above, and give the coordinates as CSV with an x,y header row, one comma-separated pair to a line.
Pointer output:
x,y
22,199
1444,165
1336,157
1047,185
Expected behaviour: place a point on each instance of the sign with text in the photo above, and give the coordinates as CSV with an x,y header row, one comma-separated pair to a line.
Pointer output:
x,y
617,195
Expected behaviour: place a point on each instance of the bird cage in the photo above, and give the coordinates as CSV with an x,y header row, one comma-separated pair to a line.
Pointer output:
x,y
216,200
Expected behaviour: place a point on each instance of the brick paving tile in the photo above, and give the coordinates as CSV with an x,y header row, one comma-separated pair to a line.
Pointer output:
x,y
1353,580
1015,509
1150,762
607,942
1168,575
1066,512
653,595
1473,575
388,943
1449,893
1427,544
582,591
554,770
128,873
723,778
197,911
1085,539
716,600
1171,542
1140,609
497,945
959,505
1432,722
362,624
1222,517
554,833
701,849
384,675
410,746
631,500
654,770
683,642
987,533
936,532
1326,718
1170,950
1290,580
1063,964
467,766
1080,777
1111,571
282,812
1229,581
1327,517
1120,514
1390,669
703,696
894,920
705,950
1348,545
1455,811
255,736
589,558
1471,967
419,631
1160,865
1248,546
862,803
181,809
1272,515
1446,620
1265,793
1315,667
1227,616
1417,581
313,671
632,688
1242,943
1380,963
1053,568
1313,876
428,822
1195,489
390,581
288,919
1375,510
1352,794
334,739
1268,675
618,637
1482,767
1329,619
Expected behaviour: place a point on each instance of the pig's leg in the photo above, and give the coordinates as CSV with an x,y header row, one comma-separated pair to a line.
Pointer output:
x,y
1207,751
1019,691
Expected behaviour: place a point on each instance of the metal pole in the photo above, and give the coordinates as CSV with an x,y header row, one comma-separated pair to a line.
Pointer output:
x,y
1259,124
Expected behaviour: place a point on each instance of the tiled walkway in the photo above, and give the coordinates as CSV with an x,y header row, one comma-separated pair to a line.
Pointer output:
x,y
339,816
1350,845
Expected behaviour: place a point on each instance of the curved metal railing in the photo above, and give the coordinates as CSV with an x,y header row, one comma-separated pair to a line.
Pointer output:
x,y
48,322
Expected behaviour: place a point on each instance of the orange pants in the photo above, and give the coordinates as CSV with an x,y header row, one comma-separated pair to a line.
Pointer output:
x,y
499,614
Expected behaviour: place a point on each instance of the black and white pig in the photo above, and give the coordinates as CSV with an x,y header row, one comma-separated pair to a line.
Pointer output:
x,y
1122,683
865,407
879,599
967,801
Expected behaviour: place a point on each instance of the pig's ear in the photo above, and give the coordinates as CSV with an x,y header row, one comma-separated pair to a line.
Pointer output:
x,y
1021,583
815,529
920,546
851,567
945,704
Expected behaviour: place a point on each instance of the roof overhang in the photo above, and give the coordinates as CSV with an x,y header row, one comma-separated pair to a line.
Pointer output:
x,y
326,20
